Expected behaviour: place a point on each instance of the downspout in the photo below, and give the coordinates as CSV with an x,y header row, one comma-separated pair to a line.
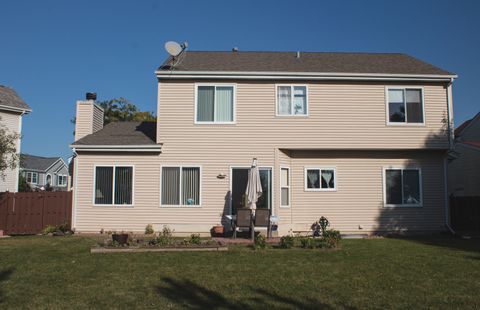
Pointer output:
x,y
450,148
74,204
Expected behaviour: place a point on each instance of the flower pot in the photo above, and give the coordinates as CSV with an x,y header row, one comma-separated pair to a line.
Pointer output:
x,y
218,230
120,238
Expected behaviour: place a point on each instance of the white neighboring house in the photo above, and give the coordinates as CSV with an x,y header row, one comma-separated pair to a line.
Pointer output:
x,y
12,108
41,172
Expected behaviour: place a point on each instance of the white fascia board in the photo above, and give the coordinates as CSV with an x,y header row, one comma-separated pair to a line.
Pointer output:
x,y
117,148
13,109
300,76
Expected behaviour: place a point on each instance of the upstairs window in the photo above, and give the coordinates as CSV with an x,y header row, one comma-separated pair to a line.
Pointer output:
x,y
215,104
113,185
291,100
405,105
402,187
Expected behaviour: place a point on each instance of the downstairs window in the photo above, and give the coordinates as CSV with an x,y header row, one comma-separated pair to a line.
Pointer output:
x,y
403,187
113,185
180,186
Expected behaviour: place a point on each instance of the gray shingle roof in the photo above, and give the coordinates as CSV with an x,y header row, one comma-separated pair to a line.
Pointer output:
x,y
32,162
123,133
321,62
10,98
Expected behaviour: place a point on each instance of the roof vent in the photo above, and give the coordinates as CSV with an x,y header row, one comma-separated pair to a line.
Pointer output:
x,y
298,55
91,96
235,49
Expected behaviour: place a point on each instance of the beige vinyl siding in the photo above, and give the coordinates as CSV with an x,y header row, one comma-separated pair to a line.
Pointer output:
x,y
97,122
89,119
358,201
84,120
464,172
341,116
12,121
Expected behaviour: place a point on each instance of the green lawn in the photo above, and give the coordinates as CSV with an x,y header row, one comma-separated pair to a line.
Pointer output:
x,y
59,272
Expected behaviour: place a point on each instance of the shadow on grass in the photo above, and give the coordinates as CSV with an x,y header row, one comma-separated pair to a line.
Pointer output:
x,y
187,294
446,241
4,276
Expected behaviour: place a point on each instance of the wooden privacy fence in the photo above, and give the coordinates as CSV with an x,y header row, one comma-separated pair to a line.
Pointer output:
x,y
465,213
30,213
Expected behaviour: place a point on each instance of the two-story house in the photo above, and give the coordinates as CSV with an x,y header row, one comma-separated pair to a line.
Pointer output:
x,y
360,138
12,109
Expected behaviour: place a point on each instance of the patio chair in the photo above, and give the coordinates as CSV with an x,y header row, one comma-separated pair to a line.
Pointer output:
x,y
262,219
243,220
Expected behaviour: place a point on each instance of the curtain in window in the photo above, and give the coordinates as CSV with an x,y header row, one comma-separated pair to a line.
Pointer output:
x,y
170,185
414,106
328,179
393,186
313,177
224,109
103,185
123,185
300,100
411,187
191,186
284,97
396,105
206,97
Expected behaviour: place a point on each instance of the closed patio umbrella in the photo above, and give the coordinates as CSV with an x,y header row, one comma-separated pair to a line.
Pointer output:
x,y
254,186
254,190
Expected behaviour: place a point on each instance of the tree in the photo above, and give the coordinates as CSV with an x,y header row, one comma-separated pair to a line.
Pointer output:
x,y
9,157
23,185
122,110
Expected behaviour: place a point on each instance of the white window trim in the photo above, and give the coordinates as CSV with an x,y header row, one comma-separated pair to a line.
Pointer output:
x,y
181,187
320,189
234,108
387,106
287,186
31,177
62,176
114,166
384,186
307,108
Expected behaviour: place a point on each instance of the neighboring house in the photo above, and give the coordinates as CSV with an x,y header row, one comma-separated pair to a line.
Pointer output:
x,y
360,138
464,169
40,171
12,109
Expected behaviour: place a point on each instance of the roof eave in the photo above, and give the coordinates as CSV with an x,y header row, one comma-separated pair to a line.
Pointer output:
x,y
117,148
15,109
301,75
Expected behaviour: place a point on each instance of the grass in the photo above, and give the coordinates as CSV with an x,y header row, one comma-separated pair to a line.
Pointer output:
x,y
40,272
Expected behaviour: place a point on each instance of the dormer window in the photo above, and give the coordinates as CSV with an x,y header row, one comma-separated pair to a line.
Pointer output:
x,y
215,104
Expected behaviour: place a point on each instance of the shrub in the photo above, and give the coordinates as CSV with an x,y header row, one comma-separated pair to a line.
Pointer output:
x,y
260,242
287,242
49,229
331,238
195,239
307,243
149,230
164,238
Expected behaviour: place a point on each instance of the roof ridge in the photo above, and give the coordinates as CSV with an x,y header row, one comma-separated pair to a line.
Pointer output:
x,y
312,52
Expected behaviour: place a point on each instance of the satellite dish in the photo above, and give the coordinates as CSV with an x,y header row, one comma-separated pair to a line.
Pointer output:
x,y
173,48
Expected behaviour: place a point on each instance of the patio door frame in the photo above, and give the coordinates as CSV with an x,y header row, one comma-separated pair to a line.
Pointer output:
x,y
272,206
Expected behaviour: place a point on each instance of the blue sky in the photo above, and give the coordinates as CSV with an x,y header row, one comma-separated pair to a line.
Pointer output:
x,y
52,52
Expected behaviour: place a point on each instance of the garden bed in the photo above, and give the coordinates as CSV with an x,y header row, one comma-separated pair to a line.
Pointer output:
x,y
158,249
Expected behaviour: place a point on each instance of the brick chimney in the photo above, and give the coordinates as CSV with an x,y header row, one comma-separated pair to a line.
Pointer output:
x,y
89,117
